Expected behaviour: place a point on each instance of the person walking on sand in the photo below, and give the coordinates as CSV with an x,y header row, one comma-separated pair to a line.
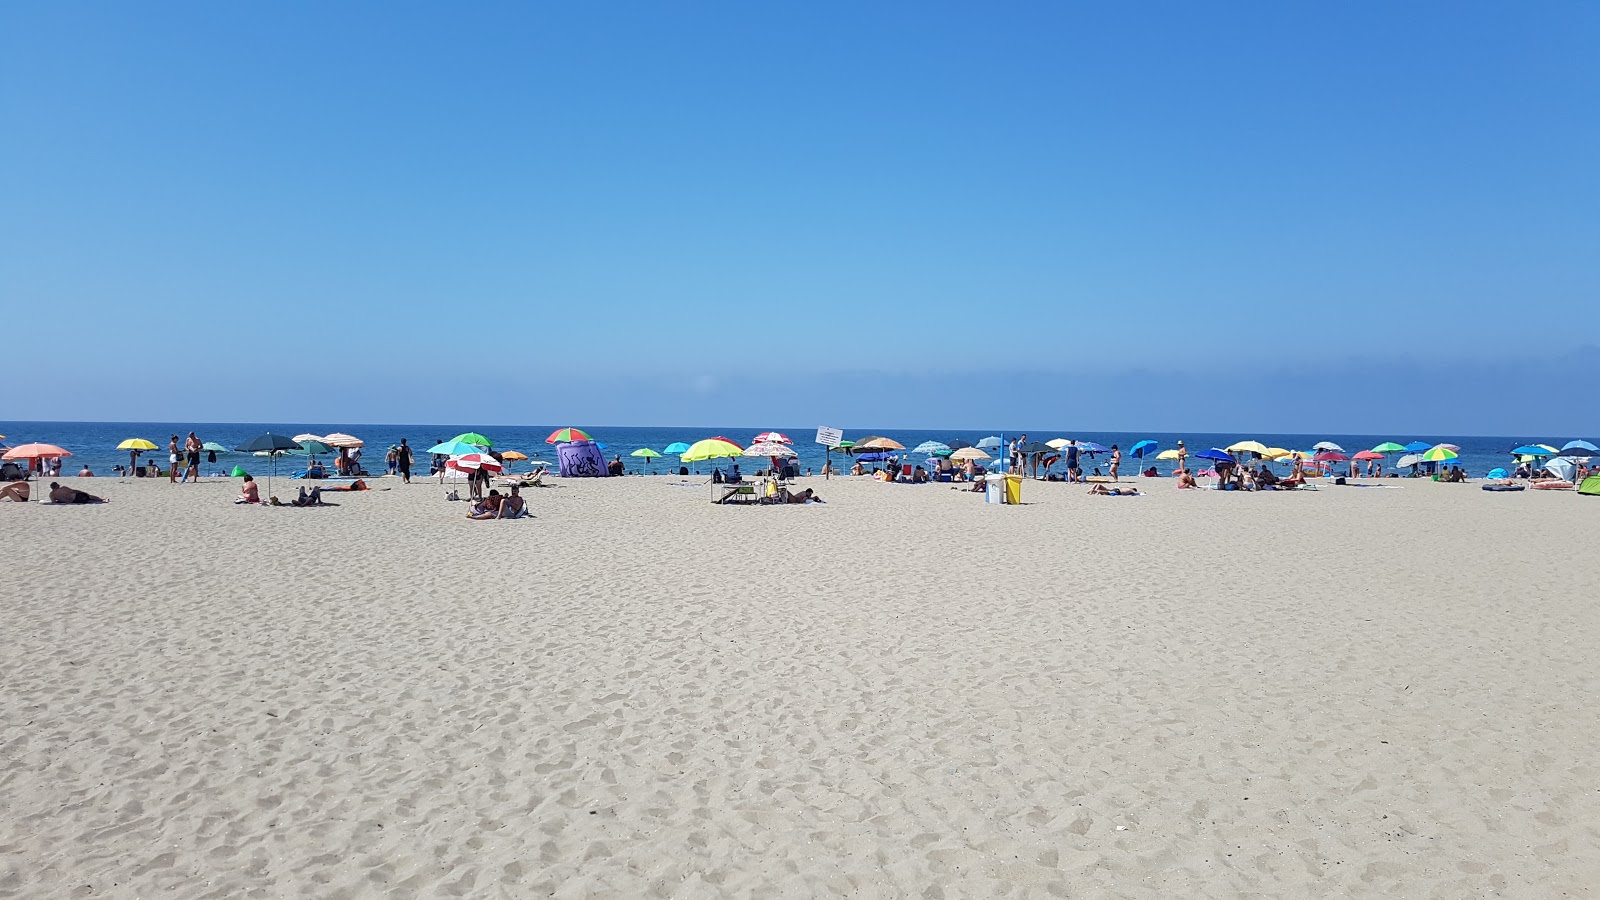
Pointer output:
x,y
192,448
172,460
402,461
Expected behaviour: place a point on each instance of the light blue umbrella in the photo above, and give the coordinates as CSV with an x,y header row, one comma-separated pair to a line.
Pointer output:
x,y
1575,448
989,443
1532,450
453,448
675,448
1418,447
931,447
1143,448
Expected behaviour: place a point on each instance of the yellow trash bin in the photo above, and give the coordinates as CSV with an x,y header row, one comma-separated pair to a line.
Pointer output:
x,y
1013,489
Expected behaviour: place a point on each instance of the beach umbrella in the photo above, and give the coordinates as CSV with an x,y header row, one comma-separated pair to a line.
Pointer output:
x,y
1277,453
1058,443
931,447
272,445
1388,447
711,448
1215,455
1562,468
675,448
957,444
314,447
645,453
1167,454
1535,450
1248,447
1092,447
770,449
1034,447
139,444
992,442
1418,447
308,436
343,441
1327,445
513,454
771,437
214,447
1368,455
1409,459
451,448
880,443
966,453
1440,453
567,435
35,451
1331,456
1571,448
471,437
469,462
1143,448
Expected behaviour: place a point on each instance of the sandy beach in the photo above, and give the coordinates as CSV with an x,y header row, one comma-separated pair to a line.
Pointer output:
x,y
903,692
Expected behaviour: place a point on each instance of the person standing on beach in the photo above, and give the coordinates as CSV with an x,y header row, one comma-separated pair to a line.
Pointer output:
x,y
1016,453
172,460
192,449
1183,457
1116,460
402,461
1073,474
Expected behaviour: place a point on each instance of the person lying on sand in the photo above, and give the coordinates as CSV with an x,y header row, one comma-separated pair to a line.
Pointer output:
x,y
16,492
314,498
805,496
59,494
1104,491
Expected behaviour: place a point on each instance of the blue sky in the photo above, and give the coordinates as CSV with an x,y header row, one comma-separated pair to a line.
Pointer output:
x,y
1148,216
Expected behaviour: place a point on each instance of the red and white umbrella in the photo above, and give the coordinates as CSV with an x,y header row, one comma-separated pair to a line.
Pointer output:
x,y
770,448
771,437
471,462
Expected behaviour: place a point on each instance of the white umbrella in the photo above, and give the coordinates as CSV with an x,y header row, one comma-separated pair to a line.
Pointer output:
x,y
1327,445
308,436
340,439
770,448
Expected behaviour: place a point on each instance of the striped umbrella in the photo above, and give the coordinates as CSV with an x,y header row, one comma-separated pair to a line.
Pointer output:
x,y
567,435
471,462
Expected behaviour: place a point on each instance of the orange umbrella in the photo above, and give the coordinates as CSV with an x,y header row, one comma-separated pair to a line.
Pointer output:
x,y
35,451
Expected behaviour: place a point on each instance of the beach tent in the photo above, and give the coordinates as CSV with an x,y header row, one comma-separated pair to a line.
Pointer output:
x,y
1562,468
581,459
1590,486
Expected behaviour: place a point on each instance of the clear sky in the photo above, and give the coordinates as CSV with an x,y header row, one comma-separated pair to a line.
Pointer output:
x,y
1268,216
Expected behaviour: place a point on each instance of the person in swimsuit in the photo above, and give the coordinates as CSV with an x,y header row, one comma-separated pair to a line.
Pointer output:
x,y
1104,491
489,508
172,459
249,492
1116,460
513,505
59,494
192,448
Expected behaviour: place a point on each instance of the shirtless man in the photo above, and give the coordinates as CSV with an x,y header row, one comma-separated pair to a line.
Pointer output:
x,y
59,494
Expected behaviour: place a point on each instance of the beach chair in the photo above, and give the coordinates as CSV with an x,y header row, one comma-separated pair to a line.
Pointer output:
x,y
735,493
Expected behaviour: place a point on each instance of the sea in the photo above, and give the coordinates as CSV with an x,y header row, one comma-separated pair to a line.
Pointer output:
x,y
94,443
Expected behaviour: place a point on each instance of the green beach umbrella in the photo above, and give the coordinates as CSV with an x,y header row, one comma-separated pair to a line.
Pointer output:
x,y
315,447
645,452
1388,447
473,438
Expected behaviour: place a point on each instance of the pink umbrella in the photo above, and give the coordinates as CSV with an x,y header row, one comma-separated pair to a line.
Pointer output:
x,y
1331,456
1367,455
772,437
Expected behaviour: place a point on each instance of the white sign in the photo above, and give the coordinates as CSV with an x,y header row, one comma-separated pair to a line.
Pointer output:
x,y
829,437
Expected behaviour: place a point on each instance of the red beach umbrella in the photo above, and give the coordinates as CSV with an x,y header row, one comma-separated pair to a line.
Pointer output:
x,y
725,440
1331,456
566,435
1367,455
771,437
469,462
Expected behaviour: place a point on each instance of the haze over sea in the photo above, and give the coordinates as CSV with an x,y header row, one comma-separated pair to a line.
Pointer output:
x,y
95,443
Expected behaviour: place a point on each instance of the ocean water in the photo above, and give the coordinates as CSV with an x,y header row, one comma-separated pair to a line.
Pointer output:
x,y
94,443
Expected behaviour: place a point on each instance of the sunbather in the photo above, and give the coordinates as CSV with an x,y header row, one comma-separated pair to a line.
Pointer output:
x,y
16,492
513,506
59,494
1104,491
1186,480
249,492
804,496
487,508
313,498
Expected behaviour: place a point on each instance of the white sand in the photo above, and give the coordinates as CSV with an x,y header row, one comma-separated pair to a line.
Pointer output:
x,y
904,692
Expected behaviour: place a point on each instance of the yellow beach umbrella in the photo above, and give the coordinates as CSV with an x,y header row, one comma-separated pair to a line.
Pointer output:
x,y
1167,454
1247,447
136,444
711,448
513,454
1276,453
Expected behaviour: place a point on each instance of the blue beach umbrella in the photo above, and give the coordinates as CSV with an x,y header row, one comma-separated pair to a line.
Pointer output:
x,y
1572,448
1092,447
989,443
1215,455
1532,450
1418,447
1143,448
453,448
675,448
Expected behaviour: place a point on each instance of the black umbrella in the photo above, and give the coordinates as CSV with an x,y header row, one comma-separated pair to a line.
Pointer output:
x,y
272,444
957,444
1035,447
